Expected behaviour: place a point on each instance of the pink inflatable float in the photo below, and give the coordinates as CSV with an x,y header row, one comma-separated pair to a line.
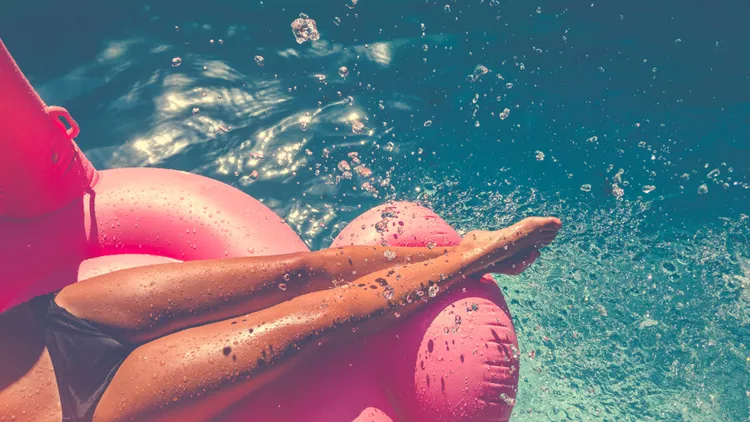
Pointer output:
x,y
62,221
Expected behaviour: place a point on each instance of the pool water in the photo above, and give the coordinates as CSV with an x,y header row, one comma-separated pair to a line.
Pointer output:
x,y
628,120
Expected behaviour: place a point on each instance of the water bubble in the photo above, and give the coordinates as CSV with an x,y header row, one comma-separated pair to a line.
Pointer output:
x,y
176,61
389,255
425,47
617,191
381,105
260,61
586,187
702,189
343,71
337,21
539,156
282,286
504,114
433,290
344,166
458,319
592,139
358,127
648,188
320,77
428,123
713,173
479,71
305,29
196,110
388,292
287,277
509,85
447,8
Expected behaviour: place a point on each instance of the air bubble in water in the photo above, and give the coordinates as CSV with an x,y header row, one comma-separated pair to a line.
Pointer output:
x,y
343,71
447,8
617,191
458,319
389,255
713,173
282,286
176,61
337,21
592,139
196,110
504,114
507,399
509,85
433,290
320,77
702,189
648,188
539,156
428,123
260,61
425,47
305,29
586,187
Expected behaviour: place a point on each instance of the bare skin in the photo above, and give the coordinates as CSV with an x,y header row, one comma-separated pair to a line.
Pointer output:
x,y
191,314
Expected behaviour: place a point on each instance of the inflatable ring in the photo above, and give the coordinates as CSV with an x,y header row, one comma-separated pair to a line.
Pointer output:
x,y
61,222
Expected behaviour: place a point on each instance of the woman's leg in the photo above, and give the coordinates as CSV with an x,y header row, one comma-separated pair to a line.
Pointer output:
x,y
196,373
144,303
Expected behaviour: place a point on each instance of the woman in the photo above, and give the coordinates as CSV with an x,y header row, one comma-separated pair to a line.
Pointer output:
x,y
231,325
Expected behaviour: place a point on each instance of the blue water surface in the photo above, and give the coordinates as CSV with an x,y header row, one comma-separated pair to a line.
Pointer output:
x,y
628,120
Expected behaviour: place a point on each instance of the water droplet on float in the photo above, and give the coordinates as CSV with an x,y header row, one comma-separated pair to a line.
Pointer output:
x,y
282,286
305,29
586,187
196,110
428,123
648,189
259,60
388,292
702,189
389,255
433,290
343,71
176,61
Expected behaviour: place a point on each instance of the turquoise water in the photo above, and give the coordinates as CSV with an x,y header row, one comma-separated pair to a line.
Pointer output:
x,y
628,120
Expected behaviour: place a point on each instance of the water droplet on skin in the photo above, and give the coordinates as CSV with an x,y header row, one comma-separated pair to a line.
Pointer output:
x,y
433,290
282,286
176,61
259,60
388,292
343,71
539,156
713,173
